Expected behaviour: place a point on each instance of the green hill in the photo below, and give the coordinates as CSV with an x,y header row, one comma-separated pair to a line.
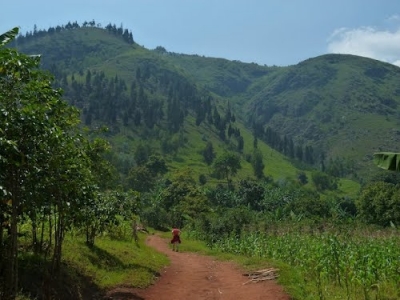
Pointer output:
x,y
344,106
146,78
332,111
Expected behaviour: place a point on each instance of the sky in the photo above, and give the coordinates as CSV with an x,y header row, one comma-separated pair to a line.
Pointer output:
x,y
266,32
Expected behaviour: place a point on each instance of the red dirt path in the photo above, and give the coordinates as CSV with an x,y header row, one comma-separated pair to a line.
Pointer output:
x,y
198,277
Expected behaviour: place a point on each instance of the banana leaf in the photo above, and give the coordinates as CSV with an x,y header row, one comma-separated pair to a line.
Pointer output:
x,y
8,36
387,160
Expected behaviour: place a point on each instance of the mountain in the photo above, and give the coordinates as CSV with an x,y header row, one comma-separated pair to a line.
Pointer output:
x,y
331,112
345,106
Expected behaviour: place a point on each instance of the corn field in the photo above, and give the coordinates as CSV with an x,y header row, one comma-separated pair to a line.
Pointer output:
x,y
340,266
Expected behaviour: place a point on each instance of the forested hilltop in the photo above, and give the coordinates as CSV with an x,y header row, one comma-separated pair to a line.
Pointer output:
x,y
99,133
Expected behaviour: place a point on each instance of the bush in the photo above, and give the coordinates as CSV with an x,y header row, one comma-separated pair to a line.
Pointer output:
x,y
156,217
323,181
202,179
379,203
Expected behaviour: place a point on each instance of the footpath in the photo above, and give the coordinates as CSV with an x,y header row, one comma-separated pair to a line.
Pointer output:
x,y
192,276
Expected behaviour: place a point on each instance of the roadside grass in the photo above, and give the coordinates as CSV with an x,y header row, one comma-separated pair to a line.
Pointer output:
x,y
87,272
113,262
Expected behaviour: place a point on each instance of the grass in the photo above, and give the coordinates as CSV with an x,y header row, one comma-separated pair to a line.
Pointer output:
x,y
89,271
112,263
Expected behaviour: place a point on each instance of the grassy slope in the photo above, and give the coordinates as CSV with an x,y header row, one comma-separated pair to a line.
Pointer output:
x,y
87,272
112,262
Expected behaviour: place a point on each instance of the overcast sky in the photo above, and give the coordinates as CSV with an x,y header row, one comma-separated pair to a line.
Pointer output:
x,y
271,32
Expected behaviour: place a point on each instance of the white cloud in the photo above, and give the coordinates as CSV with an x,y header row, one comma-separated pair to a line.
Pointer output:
x,y
369,42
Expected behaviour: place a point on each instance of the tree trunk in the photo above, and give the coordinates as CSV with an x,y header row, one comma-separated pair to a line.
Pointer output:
x,y
1,241
42,232
34,232
59,235
11,275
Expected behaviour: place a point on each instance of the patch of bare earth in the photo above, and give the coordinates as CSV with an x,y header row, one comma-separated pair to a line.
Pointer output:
x,y
194,277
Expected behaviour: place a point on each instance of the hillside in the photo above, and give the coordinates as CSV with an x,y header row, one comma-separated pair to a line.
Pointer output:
x,y
147,100
340,107
344,106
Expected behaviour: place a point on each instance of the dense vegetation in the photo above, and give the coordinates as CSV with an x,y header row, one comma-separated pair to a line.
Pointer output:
x,y
140,140
52,177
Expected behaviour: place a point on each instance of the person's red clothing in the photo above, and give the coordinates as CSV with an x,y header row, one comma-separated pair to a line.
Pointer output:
x,y
176,239
175,236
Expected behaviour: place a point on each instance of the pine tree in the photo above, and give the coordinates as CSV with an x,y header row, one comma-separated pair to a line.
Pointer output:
x,y
258,164
208,153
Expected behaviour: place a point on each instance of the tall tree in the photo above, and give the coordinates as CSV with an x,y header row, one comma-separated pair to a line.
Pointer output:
x,y
208,153
44,166
227,165
258,164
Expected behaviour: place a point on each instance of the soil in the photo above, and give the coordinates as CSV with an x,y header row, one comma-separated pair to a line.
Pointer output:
x,y
198,277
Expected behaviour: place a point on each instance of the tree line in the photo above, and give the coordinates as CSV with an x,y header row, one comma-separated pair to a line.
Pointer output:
x,y
337,167
121,32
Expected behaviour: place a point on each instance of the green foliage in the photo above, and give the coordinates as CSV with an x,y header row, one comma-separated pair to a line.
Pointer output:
x,y
202,179
51,175
140,179
302,178
389,177
258,164
182,199
251,194
221,223
310,206
387,160
106,209
156,165
8,36
223,197
323,181
379,204
142,153
208,153
227,165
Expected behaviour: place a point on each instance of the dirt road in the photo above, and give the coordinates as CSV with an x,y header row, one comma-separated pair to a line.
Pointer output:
x,y
192,276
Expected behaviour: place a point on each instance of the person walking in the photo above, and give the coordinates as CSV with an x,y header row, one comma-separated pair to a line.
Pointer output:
x,y
176,239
